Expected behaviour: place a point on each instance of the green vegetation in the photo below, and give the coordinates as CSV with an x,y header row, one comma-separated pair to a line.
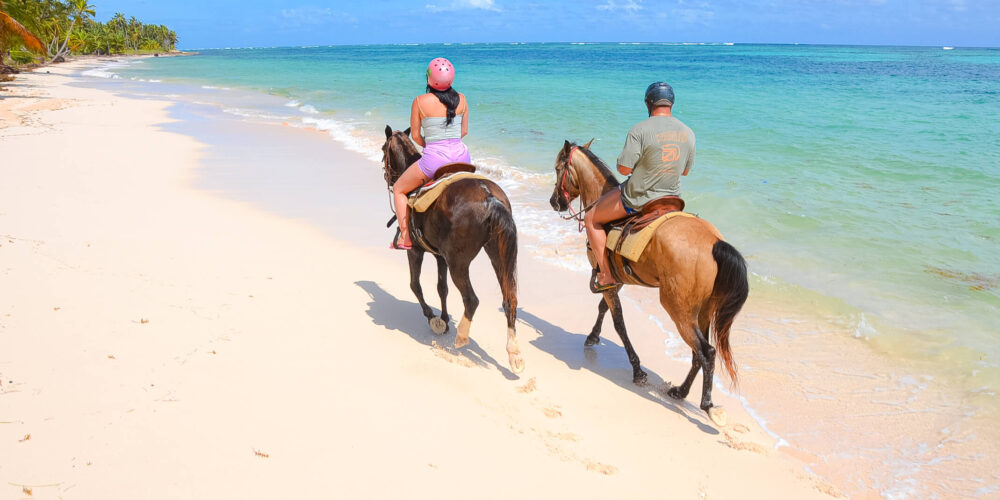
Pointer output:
x,y
58,28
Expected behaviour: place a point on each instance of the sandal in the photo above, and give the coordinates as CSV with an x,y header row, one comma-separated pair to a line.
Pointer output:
x,y
596,287
396,245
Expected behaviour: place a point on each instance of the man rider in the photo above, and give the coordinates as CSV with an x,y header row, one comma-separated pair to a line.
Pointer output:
x,y
657,152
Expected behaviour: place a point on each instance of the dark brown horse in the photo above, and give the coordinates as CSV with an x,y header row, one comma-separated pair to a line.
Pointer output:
x,y
701,278
469,215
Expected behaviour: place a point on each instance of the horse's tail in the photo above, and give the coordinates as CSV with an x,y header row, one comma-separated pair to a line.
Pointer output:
x,y
500,221
728,295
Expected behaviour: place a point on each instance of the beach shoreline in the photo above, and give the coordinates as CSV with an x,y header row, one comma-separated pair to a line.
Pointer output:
x,y
161,341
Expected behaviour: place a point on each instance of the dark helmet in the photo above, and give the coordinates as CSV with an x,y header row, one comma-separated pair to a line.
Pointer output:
x,y
659,94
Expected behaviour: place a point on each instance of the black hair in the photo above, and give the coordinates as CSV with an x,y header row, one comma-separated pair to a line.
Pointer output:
x,y
449,98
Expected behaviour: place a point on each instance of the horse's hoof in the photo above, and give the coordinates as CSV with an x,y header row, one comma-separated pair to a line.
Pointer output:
x,y
640,379
516,363
718,415
675,393
438,325
592,340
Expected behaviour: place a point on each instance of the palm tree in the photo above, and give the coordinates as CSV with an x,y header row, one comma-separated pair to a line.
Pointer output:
x,y
11,29
81,9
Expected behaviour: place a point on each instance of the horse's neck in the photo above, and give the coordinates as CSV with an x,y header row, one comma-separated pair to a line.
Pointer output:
x,y
593,183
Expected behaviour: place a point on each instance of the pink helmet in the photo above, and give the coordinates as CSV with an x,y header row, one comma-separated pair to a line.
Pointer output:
x,y
440,74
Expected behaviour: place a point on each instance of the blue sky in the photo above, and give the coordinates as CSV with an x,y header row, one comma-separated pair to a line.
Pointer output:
x,y
260,23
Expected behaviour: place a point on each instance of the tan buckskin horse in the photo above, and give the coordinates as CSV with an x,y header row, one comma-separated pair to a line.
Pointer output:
x,y
470,215
701,278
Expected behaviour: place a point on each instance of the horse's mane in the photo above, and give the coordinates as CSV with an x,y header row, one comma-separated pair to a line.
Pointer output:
x,y
601,166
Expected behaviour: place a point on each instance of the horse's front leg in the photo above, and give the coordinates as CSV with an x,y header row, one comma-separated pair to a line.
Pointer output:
x,y
416,259
595,333
440,325
611,297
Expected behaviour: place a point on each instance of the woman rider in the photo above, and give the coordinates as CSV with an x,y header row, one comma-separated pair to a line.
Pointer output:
x,y
439,120
657,152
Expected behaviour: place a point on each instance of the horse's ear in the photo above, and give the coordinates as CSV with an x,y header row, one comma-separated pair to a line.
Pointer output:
x,y
388,131
407,131
587,145
566,147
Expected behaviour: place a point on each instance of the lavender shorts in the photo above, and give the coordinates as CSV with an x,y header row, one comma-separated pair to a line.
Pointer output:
x,y
440,153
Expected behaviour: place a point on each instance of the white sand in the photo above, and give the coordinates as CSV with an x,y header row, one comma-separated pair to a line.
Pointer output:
x,y
157,341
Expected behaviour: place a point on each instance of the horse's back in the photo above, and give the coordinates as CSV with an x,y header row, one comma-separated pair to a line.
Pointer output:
x,y
680,256
472,190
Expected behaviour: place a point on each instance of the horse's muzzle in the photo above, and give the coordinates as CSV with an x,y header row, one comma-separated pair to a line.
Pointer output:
x,y
558,203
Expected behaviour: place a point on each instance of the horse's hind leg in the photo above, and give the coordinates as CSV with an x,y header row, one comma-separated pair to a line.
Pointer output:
x,y
440,325
508,287
595,333
460,275
416,259
704,355
681,392
638,376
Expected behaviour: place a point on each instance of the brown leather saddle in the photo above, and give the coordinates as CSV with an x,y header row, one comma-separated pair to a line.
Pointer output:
x,y
451,168
621,270
650,212
416,227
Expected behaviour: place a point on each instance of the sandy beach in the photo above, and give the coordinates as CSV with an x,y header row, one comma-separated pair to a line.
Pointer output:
x,y
158,340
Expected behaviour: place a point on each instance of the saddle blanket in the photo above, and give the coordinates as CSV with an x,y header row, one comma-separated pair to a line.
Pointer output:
x,y
636,242
424,197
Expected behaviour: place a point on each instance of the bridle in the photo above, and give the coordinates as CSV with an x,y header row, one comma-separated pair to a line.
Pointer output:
x,y
577,216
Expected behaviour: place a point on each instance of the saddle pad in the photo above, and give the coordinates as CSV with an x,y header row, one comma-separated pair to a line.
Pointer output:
x,y
424,197
635,243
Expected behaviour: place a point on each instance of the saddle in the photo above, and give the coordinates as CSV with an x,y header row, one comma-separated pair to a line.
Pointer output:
x,y
423,197
628,237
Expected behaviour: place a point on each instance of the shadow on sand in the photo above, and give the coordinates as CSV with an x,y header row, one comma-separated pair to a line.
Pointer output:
x,y
608,360
405,316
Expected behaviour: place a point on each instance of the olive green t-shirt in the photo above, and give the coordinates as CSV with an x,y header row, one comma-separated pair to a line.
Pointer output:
x,y
658,149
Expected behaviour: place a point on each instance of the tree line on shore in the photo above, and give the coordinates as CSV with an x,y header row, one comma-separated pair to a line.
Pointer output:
x,y
50,30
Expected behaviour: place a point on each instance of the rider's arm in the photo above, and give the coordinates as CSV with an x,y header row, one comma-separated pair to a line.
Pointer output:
x,y
630,153
465,117
415,123
690,158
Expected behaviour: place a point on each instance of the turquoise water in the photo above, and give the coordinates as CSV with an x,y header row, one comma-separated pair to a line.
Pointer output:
x,y
869,175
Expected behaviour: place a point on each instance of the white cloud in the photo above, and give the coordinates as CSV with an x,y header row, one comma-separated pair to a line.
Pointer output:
x,y
464,4
628,6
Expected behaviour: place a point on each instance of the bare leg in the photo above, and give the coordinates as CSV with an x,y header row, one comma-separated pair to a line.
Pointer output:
x,y
411,179
607,209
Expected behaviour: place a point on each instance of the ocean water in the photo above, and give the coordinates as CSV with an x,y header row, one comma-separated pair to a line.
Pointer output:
x,y
860,183
867,174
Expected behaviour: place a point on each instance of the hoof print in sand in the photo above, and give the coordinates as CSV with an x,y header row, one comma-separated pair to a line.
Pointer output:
x,y
528,387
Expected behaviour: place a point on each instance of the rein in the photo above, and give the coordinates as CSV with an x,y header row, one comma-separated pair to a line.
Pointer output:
x,y
577,216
